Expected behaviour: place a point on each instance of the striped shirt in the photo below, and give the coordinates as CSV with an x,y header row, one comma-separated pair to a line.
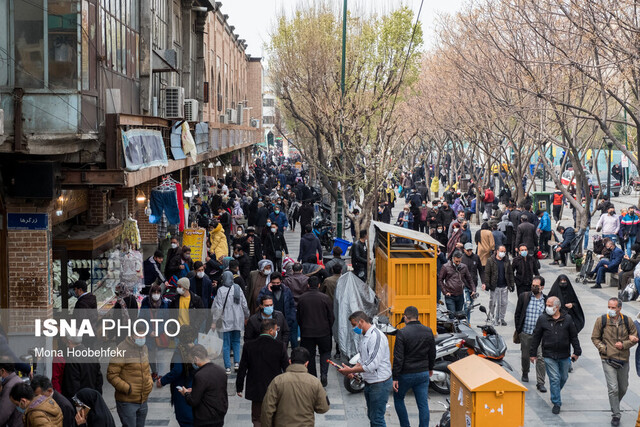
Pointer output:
x,y
374,356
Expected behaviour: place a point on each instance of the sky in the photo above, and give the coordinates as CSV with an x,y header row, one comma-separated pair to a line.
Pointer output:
x,y
254,19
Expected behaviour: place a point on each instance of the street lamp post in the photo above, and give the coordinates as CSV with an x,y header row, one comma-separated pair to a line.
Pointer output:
x,y
610,145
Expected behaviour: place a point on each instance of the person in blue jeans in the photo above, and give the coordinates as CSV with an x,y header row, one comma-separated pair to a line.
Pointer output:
x,y
454,277
629,225
557,333
414,356
607,265
374,365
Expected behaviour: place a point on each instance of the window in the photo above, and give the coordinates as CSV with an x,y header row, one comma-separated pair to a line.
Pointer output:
x,y
268,102
4,45
120,35
268,120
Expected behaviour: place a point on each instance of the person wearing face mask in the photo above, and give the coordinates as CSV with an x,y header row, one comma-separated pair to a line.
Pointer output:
x,y
454,277
181,264
42,386
230,305
374,365
244,262
283,302
38,411
613,335
201,285
607,265
526,234
257,280
498,280
458,222
569,303
267,311
275,247
208,395
629,226
405,219
175,247
544,231
188,305
530,307
9,415
130,376
525,267
154,306
239,237
557,333
80,372
445,215
279,218
181,373
263,359
440,235
609,224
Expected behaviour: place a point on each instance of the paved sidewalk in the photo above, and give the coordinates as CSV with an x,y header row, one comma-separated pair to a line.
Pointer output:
x,y
585,401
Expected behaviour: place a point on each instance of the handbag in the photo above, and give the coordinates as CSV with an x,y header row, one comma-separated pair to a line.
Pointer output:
x,y
626,265
516,337
219,321
212,342
615,363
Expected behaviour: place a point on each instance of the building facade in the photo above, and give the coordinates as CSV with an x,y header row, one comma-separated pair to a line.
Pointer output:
x,y
79,81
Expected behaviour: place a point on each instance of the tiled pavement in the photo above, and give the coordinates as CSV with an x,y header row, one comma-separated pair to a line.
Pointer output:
x,y
585,401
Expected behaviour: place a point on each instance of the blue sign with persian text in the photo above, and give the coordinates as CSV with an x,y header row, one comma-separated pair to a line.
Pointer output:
x,y
27,221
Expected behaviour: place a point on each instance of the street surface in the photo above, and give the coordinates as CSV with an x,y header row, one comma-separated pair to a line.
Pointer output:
x,y
584,397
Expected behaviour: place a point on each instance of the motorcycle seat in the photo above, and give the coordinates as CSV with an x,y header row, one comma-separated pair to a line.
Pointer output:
x,y
442,337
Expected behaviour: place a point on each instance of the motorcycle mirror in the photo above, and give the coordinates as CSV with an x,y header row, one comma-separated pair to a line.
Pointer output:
x,y
483,309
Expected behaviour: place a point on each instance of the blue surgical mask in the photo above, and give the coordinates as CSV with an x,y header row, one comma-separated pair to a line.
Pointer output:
x,y
268,310
357,330
196,367
140,341
523,253
21,410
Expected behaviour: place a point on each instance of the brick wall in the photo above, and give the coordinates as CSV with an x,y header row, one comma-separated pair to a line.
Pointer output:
x,y
148,232
30,264
98,207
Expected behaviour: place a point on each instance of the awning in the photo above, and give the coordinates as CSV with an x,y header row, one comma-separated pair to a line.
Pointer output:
x,y
406,233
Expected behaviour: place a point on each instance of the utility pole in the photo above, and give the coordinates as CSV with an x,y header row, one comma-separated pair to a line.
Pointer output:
x,y
339,205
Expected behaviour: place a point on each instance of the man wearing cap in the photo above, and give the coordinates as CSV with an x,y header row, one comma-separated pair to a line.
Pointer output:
x,y
474,265
185,303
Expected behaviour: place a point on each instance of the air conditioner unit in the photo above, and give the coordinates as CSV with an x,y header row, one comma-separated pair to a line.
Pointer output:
x,y
174,103
255,123
232,116
191,110
224,119
240,114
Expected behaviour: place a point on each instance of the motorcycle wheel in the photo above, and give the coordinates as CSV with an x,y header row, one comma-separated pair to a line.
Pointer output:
x,y
442,387
353,386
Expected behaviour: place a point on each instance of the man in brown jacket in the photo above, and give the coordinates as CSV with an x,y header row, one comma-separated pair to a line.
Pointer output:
x,y
39,411
292,398
613,335
130,375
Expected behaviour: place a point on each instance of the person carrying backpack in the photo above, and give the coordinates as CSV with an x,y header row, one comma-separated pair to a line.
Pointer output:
x,y
613,335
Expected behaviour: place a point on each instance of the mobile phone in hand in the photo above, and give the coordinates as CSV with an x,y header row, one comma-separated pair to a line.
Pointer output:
x,y
331,362
179,388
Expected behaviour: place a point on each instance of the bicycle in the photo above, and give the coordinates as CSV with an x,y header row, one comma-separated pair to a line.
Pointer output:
x,y
626,190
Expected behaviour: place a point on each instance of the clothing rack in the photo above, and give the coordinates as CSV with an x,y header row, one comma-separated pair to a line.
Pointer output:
x,y
167,184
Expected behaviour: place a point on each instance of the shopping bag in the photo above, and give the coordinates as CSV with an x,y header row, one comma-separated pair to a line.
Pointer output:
x,y
212,342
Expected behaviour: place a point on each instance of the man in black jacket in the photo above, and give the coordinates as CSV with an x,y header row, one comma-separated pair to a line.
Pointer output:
x,y
262,360
208,394
306,213
558,334
80,372
266,312
474,265
525,321
315,318
414,357
309,245
525,267
243,262
526,234
359,256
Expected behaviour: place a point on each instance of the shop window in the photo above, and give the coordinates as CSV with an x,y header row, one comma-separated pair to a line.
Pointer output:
x,y
120,35
268,102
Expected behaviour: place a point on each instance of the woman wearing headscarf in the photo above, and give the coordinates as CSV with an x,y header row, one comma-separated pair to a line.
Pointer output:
x,y
230,305
563,289
181,374
92,409
237,214
485,243
258,279
154,306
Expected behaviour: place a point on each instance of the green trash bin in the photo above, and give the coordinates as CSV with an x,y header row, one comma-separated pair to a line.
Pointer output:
x,y
542,201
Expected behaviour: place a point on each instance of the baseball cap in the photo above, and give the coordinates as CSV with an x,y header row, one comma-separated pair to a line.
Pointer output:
x,y
468,246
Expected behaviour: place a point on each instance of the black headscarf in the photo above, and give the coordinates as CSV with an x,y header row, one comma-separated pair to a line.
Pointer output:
x,y
567,295
99,414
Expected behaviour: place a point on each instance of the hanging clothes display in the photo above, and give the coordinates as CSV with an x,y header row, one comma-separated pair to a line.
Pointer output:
x,y
180,207
131,232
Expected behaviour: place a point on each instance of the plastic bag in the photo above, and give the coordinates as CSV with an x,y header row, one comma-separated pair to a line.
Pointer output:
x,y
212,342
188,144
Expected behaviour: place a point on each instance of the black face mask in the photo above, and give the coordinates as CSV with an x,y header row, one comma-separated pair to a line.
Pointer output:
x,y
563,284
276,287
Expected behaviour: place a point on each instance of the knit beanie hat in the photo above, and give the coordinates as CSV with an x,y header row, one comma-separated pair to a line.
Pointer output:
x,y
184,282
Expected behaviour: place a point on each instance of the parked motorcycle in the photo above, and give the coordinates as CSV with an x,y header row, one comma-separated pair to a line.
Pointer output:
x,y
490,345
324,231
445,420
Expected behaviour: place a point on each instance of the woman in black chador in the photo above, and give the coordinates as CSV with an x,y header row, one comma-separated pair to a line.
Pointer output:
x,y
569,303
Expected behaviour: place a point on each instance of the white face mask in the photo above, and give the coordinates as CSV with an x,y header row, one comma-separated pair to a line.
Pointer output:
x,y
274,230
550,310
174,246
239,232
200,274
155,297
612,313
180,291
267,272
501,254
